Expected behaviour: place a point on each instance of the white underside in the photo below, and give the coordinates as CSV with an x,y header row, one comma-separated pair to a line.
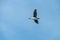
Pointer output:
x,y
34,18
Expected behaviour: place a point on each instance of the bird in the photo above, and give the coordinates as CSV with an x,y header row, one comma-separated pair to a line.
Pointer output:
x,y
34,17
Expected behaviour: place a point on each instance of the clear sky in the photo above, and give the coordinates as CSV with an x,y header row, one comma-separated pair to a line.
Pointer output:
x,y
15,25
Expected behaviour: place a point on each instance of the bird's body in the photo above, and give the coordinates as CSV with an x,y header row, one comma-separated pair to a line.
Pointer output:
x,y
35,17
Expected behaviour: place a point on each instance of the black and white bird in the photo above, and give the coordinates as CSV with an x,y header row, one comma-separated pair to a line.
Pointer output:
x,y
35,18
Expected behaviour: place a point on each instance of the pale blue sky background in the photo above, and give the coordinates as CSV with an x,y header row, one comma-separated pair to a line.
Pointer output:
x,y
15,25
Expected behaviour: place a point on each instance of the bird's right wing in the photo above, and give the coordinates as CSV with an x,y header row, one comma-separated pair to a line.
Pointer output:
x,y
35,13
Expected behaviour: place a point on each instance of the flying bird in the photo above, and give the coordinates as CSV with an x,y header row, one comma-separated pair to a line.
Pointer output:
x,y
35,18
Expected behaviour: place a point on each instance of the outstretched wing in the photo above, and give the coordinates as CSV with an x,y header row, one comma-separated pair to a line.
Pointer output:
x,y
35,13
36,21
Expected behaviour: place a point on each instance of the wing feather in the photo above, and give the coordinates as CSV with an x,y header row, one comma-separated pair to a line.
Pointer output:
x,y
36,21
35,13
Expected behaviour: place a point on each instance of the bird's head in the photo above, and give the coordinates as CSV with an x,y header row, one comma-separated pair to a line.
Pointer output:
x,y
29,18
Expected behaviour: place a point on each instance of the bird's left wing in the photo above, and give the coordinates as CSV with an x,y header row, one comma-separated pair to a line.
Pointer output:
x,y
36,21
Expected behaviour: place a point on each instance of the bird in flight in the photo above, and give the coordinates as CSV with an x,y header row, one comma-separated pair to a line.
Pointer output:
x,y
35,18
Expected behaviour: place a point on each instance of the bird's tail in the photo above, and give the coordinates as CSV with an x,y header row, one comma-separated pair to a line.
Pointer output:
x,y
38,18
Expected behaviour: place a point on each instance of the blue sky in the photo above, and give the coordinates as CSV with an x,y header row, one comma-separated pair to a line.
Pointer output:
x,y
15,25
